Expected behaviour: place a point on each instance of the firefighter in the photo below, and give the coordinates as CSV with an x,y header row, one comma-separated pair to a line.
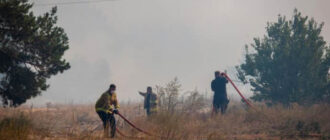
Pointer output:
x,y
150,101
106,106
220,99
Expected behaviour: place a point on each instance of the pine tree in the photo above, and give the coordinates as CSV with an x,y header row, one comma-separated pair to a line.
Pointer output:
x,y
289,64
31,50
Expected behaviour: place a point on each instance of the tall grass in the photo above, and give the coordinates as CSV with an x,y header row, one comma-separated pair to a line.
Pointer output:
x,y
15,128
75,122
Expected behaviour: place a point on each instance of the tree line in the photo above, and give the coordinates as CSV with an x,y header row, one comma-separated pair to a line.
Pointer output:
x,y
289,64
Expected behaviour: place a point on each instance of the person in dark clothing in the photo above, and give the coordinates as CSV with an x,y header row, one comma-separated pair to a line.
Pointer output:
x,y
150,101
218,86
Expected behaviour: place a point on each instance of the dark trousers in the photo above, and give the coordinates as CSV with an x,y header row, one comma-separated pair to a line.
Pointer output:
x,y
220,107
220,103
148,111
109,121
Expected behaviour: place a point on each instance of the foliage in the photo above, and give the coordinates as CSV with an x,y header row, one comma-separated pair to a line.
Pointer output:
x,y
168,95
80,122
31,50
171,99
290,64
195,101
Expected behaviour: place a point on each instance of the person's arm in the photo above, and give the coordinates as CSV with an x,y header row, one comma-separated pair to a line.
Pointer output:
x,y
107,104
223,75
116,104
143,94
212,86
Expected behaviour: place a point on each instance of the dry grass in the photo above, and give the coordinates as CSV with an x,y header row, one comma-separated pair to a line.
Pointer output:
x,y
76,122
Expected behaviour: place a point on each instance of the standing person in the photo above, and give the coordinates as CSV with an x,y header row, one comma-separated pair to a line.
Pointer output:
x,y
150,101
106,106
218,86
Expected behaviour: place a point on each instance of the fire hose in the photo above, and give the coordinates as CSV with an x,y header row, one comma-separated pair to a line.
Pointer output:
x,y
126,136
149,134
134,126
239,92
137,128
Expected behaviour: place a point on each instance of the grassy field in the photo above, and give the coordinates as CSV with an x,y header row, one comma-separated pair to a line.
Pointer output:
x,y
76,122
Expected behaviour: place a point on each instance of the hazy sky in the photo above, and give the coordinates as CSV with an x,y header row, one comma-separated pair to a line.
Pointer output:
x,y
137,43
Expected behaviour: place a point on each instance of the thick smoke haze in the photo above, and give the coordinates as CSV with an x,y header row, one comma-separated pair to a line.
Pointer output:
x,y
140,43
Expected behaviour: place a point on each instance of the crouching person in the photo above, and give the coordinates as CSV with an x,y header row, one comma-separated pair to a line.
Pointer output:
x,y
106,106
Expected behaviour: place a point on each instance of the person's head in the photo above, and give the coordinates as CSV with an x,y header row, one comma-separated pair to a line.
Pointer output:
x,y
112,88
217,74
149,89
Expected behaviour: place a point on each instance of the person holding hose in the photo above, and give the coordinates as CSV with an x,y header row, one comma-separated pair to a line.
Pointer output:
x,y
106,106
220,99
150,101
